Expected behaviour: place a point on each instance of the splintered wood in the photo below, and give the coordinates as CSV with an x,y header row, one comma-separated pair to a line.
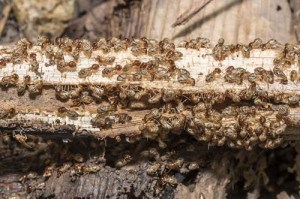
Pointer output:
x,y
235,95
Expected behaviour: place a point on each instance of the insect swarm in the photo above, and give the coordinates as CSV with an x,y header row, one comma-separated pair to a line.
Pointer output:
x,y
161,110
112,85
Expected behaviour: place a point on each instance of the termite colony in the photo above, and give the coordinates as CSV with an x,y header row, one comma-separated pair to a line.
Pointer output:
x,y
55,158
167,163
115,80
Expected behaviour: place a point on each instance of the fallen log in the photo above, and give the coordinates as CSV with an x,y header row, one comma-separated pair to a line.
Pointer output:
x,y
238,95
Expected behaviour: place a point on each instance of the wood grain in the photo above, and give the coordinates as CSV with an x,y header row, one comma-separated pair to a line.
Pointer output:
x,y
237,21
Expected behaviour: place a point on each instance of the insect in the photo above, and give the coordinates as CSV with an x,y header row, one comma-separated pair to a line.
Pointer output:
x,y
177,122
123,118
162,74
91,168
21,87
75,54
246,51
65,167
138,50
139,94
193,166
86,72
61,93
283,110
229,69
78,157
173,55
262,120
21,138
87,48
121,45
150,129
284,80
166,45
293,100
294,76
36,87
153,169
7,113
155,97
154,114
9,80
233,95
230,111
6,138
213,75
252,77
105,48
123,77
61,65
271,44
269,77
77,170
106,60
31,175
48,171
111,71
169,95
183,79
3,62
153,152
97,91
168,179
278,72
256,44
153,50
105,107
100,122
71,66
74,91
32,56
175,164
200,107
43,41
165,124
134,104
221,51
84,99
247,110
126,158
66,112
34,66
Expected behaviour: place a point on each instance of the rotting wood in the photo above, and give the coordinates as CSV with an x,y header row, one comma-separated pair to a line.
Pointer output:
x,y
239,95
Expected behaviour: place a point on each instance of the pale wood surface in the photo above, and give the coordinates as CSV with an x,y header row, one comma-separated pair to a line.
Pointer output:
x,y
234,20
199,63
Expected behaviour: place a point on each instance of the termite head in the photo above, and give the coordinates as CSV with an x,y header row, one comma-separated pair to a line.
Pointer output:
x,y
62,110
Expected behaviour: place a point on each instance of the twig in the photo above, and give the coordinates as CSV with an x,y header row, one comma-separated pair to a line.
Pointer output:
x,y
187,15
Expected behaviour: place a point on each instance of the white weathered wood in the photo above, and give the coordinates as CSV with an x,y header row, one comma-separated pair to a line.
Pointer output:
x,y
237,21
41,112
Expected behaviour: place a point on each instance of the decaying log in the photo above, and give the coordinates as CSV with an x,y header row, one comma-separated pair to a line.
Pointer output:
x,y
239,95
